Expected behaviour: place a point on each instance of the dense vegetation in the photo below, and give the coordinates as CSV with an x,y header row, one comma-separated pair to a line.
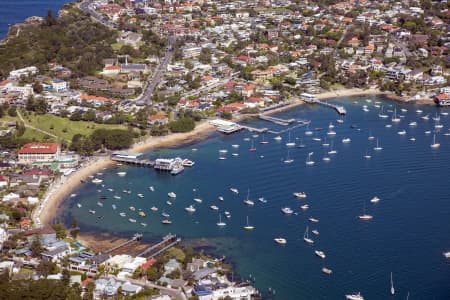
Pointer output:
x,y
39,289
182,125
74,40
113,139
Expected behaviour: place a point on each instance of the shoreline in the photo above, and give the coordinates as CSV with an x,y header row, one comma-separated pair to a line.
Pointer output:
x,y
64,186
61,188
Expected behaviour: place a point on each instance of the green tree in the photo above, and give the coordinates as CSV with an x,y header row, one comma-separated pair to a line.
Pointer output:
x,y
46,268
182,125
60,231
36,247
37,87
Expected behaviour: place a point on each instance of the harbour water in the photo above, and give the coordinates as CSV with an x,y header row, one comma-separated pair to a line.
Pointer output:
x,y
14,11
407,235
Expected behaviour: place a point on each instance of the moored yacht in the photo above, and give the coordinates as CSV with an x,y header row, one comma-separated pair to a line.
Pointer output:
x,y
300,195
435,144
306,236
375,199
287,210
190,209
172,195
320,254
356,296
234,190
281,241
327,271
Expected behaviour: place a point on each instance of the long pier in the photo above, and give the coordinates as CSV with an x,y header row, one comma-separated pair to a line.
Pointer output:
x,y
134,161
312,100
254,129
288,129
170,238
136,237
278,121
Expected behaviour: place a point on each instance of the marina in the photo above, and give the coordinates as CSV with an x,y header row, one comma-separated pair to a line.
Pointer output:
x,y
331,197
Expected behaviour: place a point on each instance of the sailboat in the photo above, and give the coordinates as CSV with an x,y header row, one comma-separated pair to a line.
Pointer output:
x,y
367,155
288,159
392,286
365,216
248,201
248,226
378,147
263,142
252,148
308,132
290,143
301,145
395,119
382,115
220,223
332,151
435,145
309,162
306,236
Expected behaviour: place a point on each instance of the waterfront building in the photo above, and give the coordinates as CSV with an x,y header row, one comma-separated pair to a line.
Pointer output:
x,y
44,153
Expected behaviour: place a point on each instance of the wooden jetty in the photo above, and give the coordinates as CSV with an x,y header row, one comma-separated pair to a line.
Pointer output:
x,y
136,237
167,242
311,99
278,121
254,129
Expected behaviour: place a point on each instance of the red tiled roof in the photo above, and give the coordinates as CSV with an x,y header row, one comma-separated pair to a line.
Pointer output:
x,y
39,148
148,264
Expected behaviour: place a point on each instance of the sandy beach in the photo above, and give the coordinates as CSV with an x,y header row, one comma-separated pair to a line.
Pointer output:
x,y
350,93
65,185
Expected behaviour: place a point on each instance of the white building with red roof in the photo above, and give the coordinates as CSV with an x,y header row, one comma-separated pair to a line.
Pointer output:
x,y
39,152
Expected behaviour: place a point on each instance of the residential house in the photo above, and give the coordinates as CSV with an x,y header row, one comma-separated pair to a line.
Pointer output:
x,y
160,119
39,152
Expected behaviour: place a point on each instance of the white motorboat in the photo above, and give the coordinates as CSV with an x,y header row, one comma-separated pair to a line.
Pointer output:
x,y
248,226
190,209
356,296
365,217
73,195
154,208
428,132
419,111
78,205
97,181
280,241
412,139
331,126
144,224
114,206
412,124
446,254
92,211
287,210
223,151
121,174
151,188
220,198
313,220
235,146
168,202
122,214
214,207
388,125
316,139
198,200
132,208
262,200
435,144
234,190
278,138
375,199
300,195
188,163
100,204
326,158
172,195
315,232
165,215
235,154
306,236
346,140
140,195
402,132
304,206
132,220
320,254
222,158
166,222
426,117
327,271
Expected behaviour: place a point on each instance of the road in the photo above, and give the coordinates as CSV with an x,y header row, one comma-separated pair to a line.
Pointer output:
x,y
149,88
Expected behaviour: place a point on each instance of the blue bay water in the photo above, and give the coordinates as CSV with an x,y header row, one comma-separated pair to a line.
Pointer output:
x,y
407,236
16,11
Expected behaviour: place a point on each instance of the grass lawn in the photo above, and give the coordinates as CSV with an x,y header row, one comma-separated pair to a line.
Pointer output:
x,y
62,127
65,128
116,46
